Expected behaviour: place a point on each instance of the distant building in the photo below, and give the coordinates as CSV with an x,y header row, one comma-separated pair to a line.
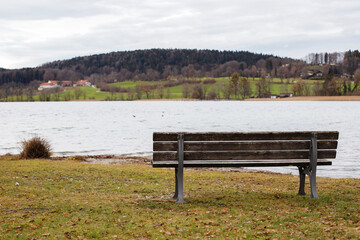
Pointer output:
x,y
82,83
47,85
54,84
66,83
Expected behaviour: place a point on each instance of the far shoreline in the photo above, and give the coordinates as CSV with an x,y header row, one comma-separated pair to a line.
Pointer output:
x,y
297,98
309,98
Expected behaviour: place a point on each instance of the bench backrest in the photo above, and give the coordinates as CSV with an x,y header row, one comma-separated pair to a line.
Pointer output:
x,y
243,146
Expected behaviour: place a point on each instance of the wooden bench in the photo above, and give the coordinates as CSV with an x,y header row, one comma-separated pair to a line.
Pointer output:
x,y
306,150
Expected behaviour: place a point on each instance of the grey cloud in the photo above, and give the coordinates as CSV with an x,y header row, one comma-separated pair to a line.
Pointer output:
x,y
286,28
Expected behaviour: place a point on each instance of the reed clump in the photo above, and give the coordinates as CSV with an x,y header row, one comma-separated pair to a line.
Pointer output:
x,y
36,147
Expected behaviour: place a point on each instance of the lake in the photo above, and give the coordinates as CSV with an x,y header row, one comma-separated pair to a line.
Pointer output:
x,y
125,128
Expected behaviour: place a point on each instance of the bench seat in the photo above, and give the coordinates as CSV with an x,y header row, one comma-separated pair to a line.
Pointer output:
x,y
234,163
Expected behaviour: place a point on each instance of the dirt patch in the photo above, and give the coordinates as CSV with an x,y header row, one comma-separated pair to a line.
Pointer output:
x,y
122,160
108,159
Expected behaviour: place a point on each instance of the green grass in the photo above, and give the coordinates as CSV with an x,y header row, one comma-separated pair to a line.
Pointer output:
x,y
132,84
67,199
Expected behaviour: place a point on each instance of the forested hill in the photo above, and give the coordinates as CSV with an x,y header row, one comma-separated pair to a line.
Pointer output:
x,y
155,59
148,65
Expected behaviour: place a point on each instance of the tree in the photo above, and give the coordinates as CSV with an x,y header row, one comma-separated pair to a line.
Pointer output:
x,y
298,88
212,94
186,90
197,92
29,94
160,91
168,93
334,87
263,87
234,83
244,87
146,89
269,65
253,71
138,91
356,79
56,93
78,93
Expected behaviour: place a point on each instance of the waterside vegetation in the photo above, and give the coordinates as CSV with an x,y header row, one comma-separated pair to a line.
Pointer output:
x,y
223,88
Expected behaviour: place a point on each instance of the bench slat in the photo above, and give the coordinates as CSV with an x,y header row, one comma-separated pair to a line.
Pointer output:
x,y
293,162
232,146
242,155
239,136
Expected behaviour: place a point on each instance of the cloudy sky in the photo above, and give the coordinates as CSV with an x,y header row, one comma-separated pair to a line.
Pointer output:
x,y
38,31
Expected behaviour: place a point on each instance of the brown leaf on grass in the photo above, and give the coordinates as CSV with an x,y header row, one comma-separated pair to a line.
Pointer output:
x,y
277,196
45,234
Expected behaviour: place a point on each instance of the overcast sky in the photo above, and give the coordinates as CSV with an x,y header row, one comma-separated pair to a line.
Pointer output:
x,y
39,31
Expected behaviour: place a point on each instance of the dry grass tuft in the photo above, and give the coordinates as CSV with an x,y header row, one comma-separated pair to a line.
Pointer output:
x,y
35,147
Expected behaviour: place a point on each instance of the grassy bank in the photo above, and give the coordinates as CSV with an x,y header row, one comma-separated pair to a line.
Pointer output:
x,y
67,199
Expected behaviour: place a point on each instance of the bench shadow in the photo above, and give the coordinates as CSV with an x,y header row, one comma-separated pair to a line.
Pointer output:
x,y
223,200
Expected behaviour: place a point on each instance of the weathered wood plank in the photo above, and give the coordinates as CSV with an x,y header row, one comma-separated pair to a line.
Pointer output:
x,y
278,163
242,155
240,136
237,146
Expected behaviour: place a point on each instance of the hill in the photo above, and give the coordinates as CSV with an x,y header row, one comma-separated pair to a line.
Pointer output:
x,y
155,59
148,65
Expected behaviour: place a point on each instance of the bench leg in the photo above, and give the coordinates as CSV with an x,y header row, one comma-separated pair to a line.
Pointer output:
x,y
302,181
313,165
179,186
176,184
312,176
179,192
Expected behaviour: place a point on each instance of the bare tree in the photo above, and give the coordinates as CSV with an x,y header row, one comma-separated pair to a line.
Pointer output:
x,y
356,79
263,87
78,93
253,72
186,90
197,92
160,92
234,83
244,87
298,88
138,92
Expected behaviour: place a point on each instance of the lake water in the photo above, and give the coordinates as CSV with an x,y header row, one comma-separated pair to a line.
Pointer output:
x,y
125,128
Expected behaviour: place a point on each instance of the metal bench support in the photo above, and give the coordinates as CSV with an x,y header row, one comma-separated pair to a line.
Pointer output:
x,y
302,181
176,184
310,170
313,165
179,171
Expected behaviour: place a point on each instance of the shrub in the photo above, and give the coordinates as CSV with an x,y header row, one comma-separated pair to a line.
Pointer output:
x,y
35,147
